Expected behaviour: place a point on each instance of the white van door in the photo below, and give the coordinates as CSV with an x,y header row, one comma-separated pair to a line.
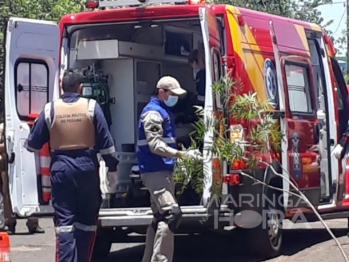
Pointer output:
x,y
211,41
31,74
282,109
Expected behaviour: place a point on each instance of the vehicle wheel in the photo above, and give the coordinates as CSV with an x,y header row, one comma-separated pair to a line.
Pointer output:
x,y
103,244
266,239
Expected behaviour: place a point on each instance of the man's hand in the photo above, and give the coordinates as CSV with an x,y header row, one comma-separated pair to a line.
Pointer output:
x,y
337,151
194,154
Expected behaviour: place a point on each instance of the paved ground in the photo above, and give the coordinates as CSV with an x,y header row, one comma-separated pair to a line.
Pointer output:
x,y
299,245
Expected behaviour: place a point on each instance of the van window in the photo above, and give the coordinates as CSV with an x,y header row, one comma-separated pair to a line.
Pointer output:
x,y
319,81
339,99
31,81
216,74
298,88
341,94
216,67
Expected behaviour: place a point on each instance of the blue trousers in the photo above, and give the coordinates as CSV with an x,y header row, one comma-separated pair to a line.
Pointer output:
x,y
76,199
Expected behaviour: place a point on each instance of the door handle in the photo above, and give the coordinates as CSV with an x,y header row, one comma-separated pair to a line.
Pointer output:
x,y
331,142
12,158
10,136
317,133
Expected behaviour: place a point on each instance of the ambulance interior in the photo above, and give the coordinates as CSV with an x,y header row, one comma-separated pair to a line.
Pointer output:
x,y
129,59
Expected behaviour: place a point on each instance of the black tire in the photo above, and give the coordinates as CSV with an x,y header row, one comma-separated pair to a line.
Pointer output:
x,y
266,239
103,244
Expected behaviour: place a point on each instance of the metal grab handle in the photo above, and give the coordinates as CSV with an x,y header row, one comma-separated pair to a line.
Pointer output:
x,y
12,158
10,138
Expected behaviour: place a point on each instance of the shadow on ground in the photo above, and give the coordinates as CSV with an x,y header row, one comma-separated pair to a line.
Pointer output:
x,y
227,248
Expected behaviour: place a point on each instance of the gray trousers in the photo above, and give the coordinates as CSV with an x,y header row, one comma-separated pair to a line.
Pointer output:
x,y
159,245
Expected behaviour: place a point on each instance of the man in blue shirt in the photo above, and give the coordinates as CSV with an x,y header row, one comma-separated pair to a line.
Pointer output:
x,y
76,129
156,155
200,76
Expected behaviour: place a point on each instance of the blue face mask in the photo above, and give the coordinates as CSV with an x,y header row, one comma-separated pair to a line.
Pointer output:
x,y
171,101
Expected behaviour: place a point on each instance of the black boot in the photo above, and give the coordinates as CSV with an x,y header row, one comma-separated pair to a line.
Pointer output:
x,y
10,226
11,230
33,226
35,229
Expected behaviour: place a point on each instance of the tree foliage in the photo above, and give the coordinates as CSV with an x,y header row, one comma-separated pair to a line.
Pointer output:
x,y
261,141
277,7
305,10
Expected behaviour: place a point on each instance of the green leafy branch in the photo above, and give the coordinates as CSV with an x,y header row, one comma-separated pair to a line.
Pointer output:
x,y
231,142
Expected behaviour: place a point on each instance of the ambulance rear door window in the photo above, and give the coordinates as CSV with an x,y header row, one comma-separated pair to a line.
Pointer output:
x,y
299,96
31,81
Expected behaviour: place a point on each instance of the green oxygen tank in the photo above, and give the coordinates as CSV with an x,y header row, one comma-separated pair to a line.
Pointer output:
x,y
95,86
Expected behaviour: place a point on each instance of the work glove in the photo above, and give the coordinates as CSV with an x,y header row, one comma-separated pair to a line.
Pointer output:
x,y
194,154
112,180
337,151
321,114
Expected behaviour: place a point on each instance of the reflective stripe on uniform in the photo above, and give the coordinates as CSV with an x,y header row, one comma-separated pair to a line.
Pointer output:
x,y
47,112
91,108
77,225
107,151
65,229
201,98
45,161
31,149
85,227
167,140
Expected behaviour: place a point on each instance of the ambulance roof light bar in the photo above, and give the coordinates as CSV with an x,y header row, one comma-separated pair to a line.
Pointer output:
x,y
119,3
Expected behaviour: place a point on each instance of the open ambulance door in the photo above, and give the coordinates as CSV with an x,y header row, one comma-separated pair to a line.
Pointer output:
x,y
298,119
211,41
31,73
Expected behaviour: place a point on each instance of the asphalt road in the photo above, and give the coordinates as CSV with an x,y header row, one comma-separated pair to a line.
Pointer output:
x,y
300,244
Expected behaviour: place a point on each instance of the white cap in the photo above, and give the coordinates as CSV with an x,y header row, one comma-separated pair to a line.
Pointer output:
x,y
170,83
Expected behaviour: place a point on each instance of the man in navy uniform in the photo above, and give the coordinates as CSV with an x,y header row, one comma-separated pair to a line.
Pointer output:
x,y
76,129
156,154
200,76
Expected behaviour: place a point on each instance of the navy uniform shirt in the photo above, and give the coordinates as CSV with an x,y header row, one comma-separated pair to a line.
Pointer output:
x,y
200,81
343,140
104,143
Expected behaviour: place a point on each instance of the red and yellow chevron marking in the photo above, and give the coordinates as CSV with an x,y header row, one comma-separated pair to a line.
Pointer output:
x,y
252,44
253,63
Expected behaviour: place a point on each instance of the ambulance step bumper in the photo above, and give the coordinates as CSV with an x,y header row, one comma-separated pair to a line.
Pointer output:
x,y
128,217
136,221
